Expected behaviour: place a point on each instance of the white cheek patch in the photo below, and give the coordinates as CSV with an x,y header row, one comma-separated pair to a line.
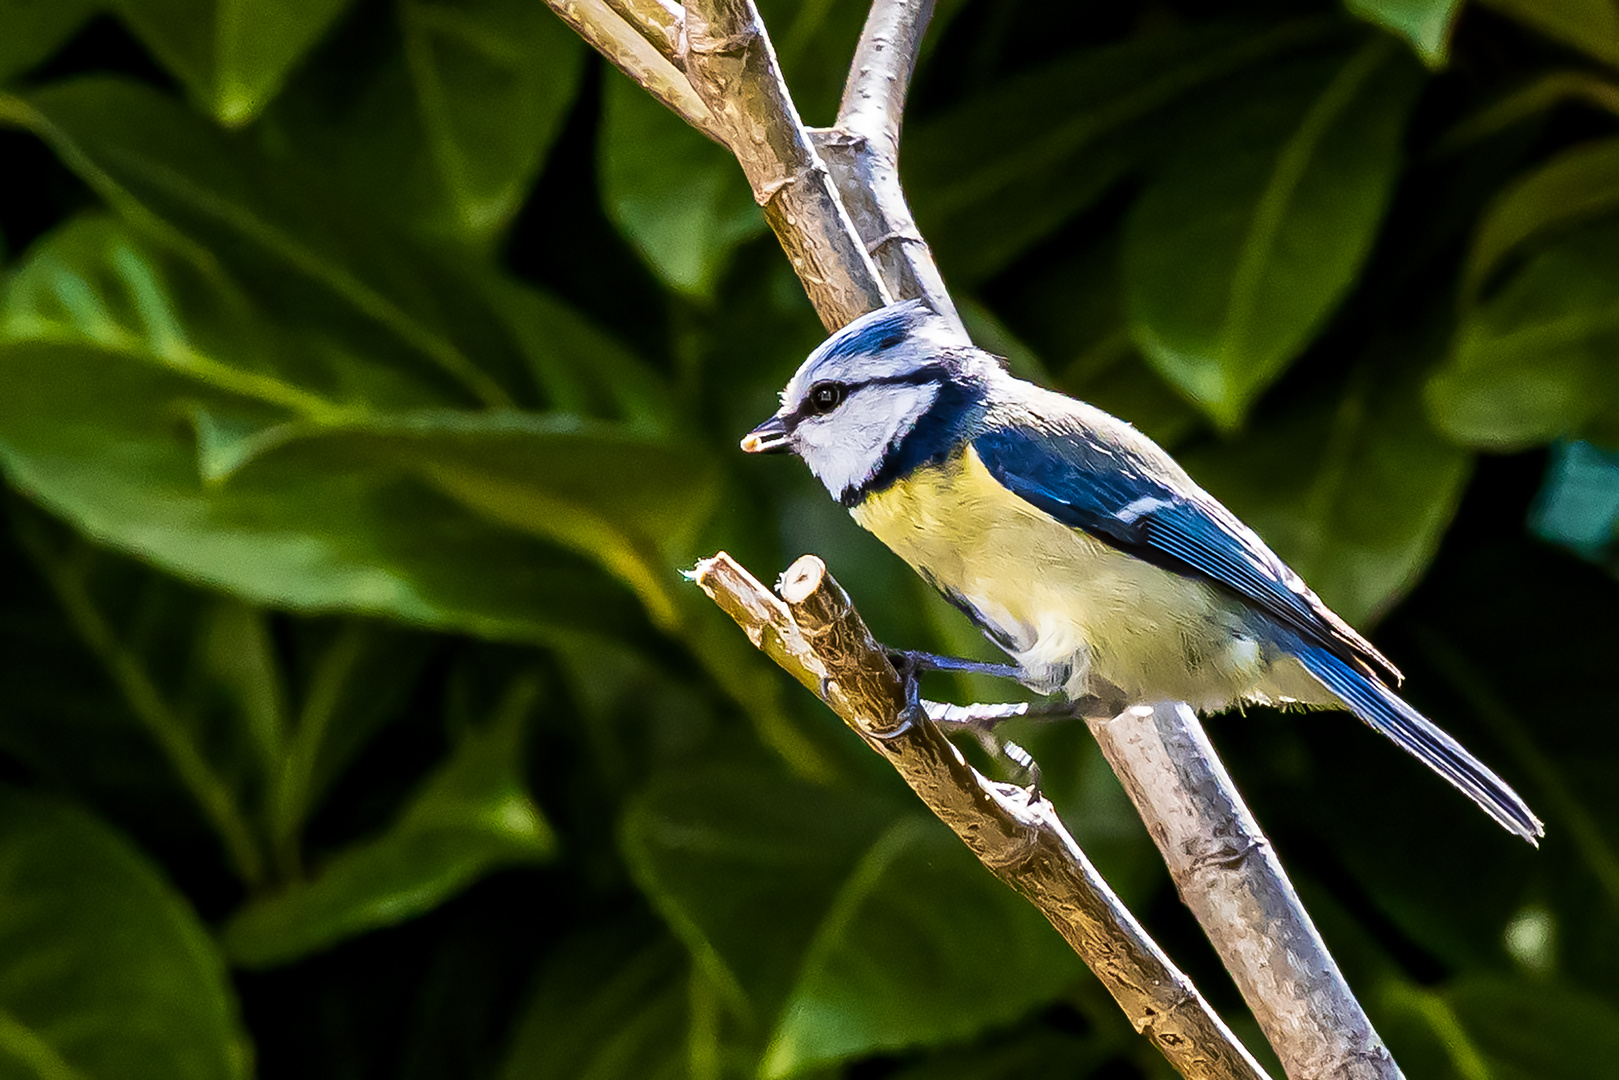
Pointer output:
x,y
846,448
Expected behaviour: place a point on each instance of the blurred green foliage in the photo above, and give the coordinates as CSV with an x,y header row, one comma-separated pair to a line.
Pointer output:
x,y
368,371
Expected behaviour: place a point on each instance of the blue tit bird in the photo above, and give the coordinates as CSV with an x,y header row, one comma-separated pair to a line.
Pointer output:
x,y
1078,545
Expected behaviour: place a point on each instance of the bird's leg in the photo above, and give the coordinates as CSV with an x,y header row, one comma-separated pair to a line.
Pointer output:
x,y
906,660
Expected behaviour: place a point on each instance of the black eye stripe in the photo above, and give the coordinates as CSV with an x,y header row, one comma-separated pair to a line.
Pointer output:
x,y
927,373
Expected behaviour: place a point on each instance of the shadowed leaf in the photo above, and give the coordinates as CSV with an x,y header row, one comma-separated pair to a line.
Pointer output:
x,y
1534,360
471,815
1592,26
1577,185
232,55
35,28
1353,492
1253,231
105,971
680,199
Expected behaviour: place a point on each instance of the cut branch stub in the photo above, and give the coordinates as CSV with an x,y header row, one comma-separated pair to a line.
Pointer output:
x,y
819,639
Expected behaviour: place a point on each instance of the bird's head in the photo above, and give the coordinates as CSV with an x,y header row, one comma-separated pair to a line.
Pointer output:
x,y
863,390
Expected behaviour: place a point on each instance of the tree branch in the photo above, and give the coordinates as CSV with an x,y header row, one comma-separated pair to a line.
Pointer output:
x,y
624,45
1221,862
819,639
730,61
660,22
862,150
1230,878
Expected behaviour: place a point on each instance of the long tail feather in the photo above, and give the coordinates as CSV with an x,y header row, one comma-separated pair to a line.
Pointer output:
x,y
1384,710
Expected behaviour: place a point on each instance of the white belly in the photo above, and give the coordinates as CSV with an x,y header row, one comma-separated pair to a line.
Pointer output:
x,y
1078,615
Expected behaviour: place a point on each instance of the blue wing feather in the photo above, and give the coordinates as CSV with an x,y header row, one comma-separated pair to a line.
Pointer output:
x,y
1127,492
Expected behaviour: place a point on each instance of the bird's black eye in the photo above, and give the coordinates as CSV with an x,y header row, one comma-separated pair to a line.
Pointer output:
x,y
826,396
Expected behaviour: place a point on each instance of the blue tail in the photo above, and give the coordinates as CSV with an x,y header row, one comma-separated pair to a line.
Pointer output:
x,y
1382,709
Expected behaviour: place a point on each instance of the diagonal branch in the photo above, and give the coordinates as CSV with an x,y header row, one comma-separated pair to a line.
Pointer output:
x,y
818,638
731,63
629,50
1239,894
659,21
862,150
1230,878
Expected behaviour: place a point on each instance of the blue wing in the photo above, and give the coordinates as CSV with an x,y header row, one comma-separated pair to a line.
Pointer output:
x,y
1128,493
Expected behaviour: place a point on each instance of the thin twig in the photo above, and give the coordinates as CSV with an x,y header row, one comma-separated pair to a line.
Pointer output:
x,y
862,150
819,639
731,63
633,54
1230,878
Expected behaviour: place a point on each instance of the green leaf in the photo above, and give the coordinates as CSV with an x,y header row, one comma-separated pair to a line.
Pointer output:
x,y
232,55
742,863
1579,184
181,695
1353,491
36,28
1254,230
493,81
1534,361
105,971
996,175
1592,26
1529,1029
604,1010
679,199
921,946
321,265
471,815
1424,24
107,377
830,924
630,503
1527,102
578,368
1029,1056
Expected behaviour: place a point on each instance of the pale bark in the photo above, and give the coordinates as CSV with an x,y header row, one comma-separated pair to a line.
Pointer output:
x,y
731,63
1229,876
850,237
629,50
862,150
817,637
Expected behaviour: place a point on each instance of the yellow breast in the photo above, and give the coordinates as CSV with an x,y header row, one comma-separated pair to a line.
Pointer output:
x,y
1069,605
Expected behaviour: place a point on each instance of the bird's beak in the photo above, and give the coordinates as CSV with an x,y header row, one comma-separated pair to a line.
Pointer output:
x,y
769,437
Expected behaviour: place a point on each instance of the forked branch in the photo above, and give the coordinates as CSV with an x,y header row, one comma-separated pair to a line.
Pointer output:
x,y
815,634
849,234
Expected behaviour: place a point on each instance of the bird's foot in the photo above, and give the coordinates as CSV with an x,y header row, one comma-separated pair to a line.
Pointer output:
x,y
985,718
981,721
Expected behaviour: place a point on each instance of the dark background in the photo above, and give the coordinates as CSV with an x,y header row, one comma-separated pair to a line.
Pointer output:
x,y
368,371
